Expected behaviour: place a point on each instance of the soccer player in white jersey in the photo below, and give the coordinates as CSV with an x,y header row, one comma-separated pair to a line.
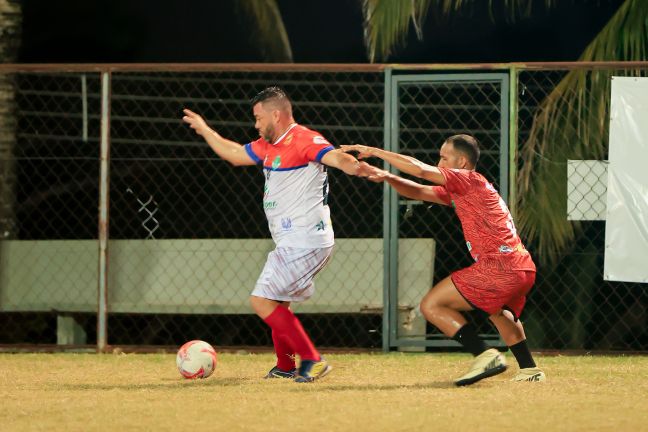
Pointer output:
x,y
294,160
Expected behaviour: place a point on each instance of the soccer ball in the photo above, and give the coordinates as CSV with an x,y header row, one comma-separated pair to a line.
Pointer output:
x,y
196,359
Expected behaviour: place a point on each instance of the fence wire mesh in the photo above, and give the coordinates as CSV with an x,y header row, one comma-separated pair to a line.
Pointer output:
x,y
49,201
431,108
572,306
188,235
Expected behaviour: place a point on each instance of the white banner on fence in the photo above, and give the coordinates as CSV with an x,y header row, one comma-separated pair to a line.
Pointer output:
x,y
626,230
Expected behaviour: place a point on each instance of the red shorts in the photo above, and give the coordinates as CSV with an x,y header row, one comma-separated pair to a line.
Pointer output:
x,y
491,288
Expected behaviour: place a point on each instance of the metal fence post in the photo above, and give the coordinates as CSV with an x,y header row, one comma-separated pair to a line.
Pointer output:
x,y
387,326
102,312
513,139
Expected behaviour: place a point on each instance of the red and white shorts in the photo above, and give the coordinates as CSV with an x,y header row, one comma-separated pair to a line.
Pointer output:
x,y
288,273
490,288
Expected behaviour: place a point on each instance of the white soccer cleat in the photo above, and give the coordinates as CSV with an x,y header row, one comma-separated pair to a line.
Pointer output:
x,y
530,374
487,364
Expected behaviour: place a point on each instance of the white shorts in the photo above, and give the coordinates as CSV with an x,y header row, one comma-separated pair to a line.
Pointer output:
x,y
288,273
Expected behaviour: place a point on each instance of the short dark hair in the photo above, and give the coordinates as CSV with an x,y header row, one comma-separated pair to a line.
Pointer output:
x,y
270,93
466,144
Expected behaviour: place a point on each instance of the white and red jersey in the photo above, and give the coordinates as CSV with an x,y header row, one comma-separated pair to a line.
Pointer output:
x,y
486,221
295,195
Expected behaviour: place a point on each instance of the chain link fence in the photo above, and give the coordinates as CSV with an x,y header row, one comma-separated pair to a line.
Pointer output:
x,y
572,306
188,235
187,232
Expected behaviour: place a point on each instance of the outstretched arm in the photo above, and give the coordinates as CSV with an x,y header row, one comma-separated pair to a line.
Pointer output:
x,y
342,161
406,164
404,187
231,151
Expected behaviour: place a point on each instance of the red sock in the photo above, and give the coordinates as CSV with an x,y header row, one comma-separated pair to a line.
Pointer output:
x,y
286,324
285,353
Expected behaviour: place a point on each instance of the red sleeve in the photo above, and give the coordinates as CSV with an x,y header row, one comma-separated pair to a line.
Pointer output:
x,y
458,181
443,194
314,146
256,150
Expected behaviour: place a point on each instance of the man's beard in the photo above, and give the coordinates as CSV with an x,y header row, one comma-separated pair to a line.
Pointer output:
x,y
267,134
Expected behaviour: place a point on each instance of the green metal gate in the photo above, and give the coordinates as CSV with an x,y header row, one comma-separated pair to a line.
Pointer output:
x,y
424,243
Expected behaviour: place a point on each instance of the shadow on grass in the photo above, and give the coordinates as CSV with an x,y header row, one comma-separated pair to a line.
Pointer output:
x,y
227,382
377,387
170,384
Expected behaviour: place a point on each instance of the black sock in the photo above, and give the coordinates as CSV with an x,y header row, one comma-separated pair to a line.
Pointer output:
x,y
522,354
467,336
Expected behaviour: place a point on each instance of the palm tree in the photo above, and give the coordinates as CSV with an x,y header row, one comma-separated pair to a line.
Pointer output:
x,y
575,112
270,29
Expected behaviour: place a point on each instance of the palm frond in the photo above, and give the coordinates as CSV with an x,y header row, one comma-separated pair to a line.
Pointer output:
x,y
386,24
572,123
272,34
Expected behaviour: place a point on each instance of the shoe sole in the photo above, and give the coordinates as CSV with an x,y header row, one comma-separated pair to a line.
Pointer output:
x,y
533,378
273,376
487,374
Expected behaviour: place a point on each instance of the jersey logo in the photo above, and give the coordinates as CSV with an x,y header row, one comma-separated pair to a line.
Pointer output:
x,y
288,140
286,224
320,140
276,163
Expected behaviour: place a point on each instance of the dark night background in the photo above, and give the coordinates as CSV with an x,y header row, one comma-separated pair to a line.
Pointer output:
x,y
319,31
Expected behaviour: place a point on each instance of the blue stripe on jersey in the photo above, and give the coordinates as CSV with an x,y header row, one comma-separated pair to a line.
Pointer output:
x,y
285,169
322,152
248,150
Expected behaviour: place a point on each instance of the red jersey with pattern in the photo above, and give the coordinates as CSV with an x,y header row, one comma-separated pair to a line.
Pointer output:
x,y
295,194
487,224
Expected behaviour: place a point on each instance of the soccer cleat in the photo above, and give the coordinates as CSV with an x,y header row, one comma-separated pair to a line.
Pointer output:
x,y
487,364
530,374
275,372
310,370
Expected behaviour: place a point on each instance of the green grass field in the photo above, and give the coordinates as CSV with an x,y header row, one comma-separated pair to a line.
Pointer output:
x,y
365,392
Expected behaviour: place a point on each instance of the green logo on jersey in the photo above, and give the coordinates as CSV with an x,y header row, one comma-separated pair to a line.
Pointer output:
x,y
276,163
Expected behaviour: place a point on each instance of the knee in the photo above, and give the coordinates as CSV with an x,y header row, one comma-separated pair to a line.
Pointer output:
x,y
255,304
429,307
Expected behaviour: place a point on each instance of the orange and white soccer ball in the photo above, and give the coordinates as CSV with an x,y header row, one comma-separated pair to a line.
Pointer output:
x,y
196,359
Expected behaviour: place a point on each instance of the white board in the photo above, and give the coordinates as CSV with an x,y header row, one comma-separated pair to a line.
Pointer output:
x,y
626,230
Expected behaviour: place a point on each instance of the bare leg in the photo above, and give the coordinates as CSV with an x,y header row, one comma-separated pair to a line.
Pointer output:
x,y
263,307
511,331
441,306
513,334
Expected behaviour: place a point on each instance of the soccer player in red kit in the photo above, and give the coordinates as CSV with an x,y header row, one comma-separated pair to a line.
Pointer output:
x,y
503,272
295,200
